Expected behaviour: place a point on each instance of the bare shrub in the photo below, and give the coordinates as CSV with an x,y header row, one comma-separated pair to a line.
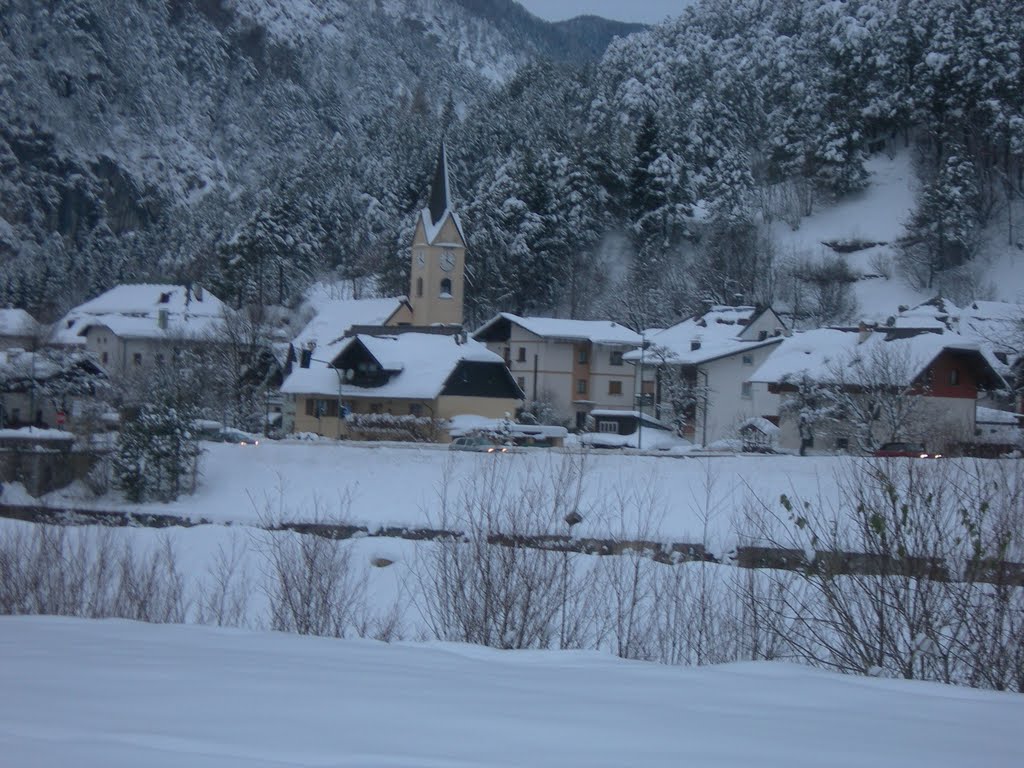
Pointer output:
x,y
310,579
483,585
223,597
896,578
54,570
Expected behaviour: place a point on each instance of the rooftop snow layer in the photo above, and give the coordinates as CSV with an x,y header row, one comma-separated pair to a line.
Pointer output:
x,y
826,355
133,311
594,331
16,322
423,362
717,332
335,316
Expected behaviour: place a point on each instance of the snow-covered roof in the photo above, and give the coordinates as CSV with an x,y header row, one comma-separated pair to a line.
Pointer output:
x,y
826,355
646,417
983,415
326,331
717,333
761,424
133,311
36,433
993,322
594,331
17,322
422,363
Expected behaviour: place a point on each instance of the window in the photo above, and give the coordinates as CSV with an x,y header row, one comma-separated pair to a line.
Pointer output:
x,y
616,358
419,286
614,387
415,409
521,382
610,427
507,354
309,407
522,355
746,390
137,358
954,377
582,356
159,358
748,359
581,386
375,407
647,387
446,288
103,358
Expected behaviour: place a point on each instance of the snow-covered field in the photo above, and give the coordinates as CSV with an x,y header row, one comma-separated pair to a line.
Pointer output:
x,y
115,693
686,499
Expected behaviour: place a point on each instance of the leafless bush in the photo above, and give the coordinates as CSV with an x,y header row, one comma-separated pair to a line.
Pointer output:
x,y
895,579
61,571
223,597
484,586
310,579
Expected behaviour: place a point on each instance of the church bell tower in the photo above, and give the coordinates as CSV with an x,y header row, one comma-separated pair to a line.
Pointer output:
x,y
437,278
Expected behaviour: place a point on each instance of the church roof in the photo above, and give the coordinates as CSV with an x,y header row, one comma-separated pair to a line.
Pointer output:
x,y
439,206
440,192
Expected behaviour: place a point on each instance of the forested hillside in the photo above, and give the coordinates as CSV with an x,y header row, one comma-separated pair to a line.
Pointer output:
x,y
257,145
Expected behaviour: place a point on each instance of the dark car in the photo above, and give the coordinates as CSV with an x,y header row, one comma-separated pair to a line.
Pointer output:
x,y
480,444
905,450
237,436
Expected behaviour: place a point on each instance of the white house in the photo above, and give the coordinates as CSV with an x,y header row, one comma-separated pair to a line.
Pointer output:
x,y
574,366
946,371
133,326
702,366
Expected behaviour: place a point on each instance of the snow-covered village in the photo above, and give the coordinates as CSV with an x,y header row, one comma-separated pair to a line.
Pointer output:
x,y
493,383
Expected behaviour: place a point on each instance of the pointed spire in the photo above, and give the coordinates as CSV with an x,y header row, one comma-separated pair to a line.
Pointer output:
x,y
440,192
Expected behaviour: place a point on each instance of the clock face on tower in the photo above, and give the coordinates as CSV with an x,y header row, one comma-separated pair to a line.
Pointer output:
x,y
448,261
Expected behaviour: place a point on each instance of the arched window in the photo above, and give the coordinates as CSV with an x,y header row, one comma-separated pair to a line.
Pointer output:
x,y
446,287
419,286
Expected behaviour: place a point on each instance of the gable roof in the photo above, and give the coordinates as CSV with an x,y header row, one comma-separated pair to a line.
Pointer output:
x,y
440,193
326,331
439,204
558,329
719,332
420,363
825,355
17,322
133,311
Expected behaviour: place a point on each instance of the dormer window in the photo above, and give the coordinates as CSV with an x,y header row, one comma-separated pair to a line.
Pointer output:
x,y
165,298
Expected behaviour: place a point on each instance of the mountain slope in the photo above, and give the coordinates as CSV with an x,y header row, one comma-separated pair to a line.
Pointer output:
x,y
136,136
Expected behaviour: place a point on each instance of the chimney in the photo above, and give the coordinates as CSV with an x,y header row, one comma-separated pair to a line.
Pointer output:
x,y
161,319
305,357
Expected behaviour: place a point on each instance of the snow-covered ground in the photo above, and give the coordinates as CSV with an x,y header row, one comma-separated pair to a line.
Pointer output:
x,y
685,499
115,693
879,214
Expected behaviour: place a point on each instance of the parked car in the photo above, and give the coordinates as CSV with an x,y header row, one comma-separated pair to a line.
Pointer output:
x,y
237,436
479,444
905,450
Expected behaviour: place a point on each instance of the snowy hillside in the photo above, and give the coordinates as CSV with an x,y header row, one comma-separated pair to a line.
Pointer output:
x,y
116,693
873,222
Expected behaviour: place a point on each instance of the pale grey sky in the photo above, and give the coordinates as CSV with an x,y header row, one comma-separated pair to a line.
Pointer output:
x,y
644,11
